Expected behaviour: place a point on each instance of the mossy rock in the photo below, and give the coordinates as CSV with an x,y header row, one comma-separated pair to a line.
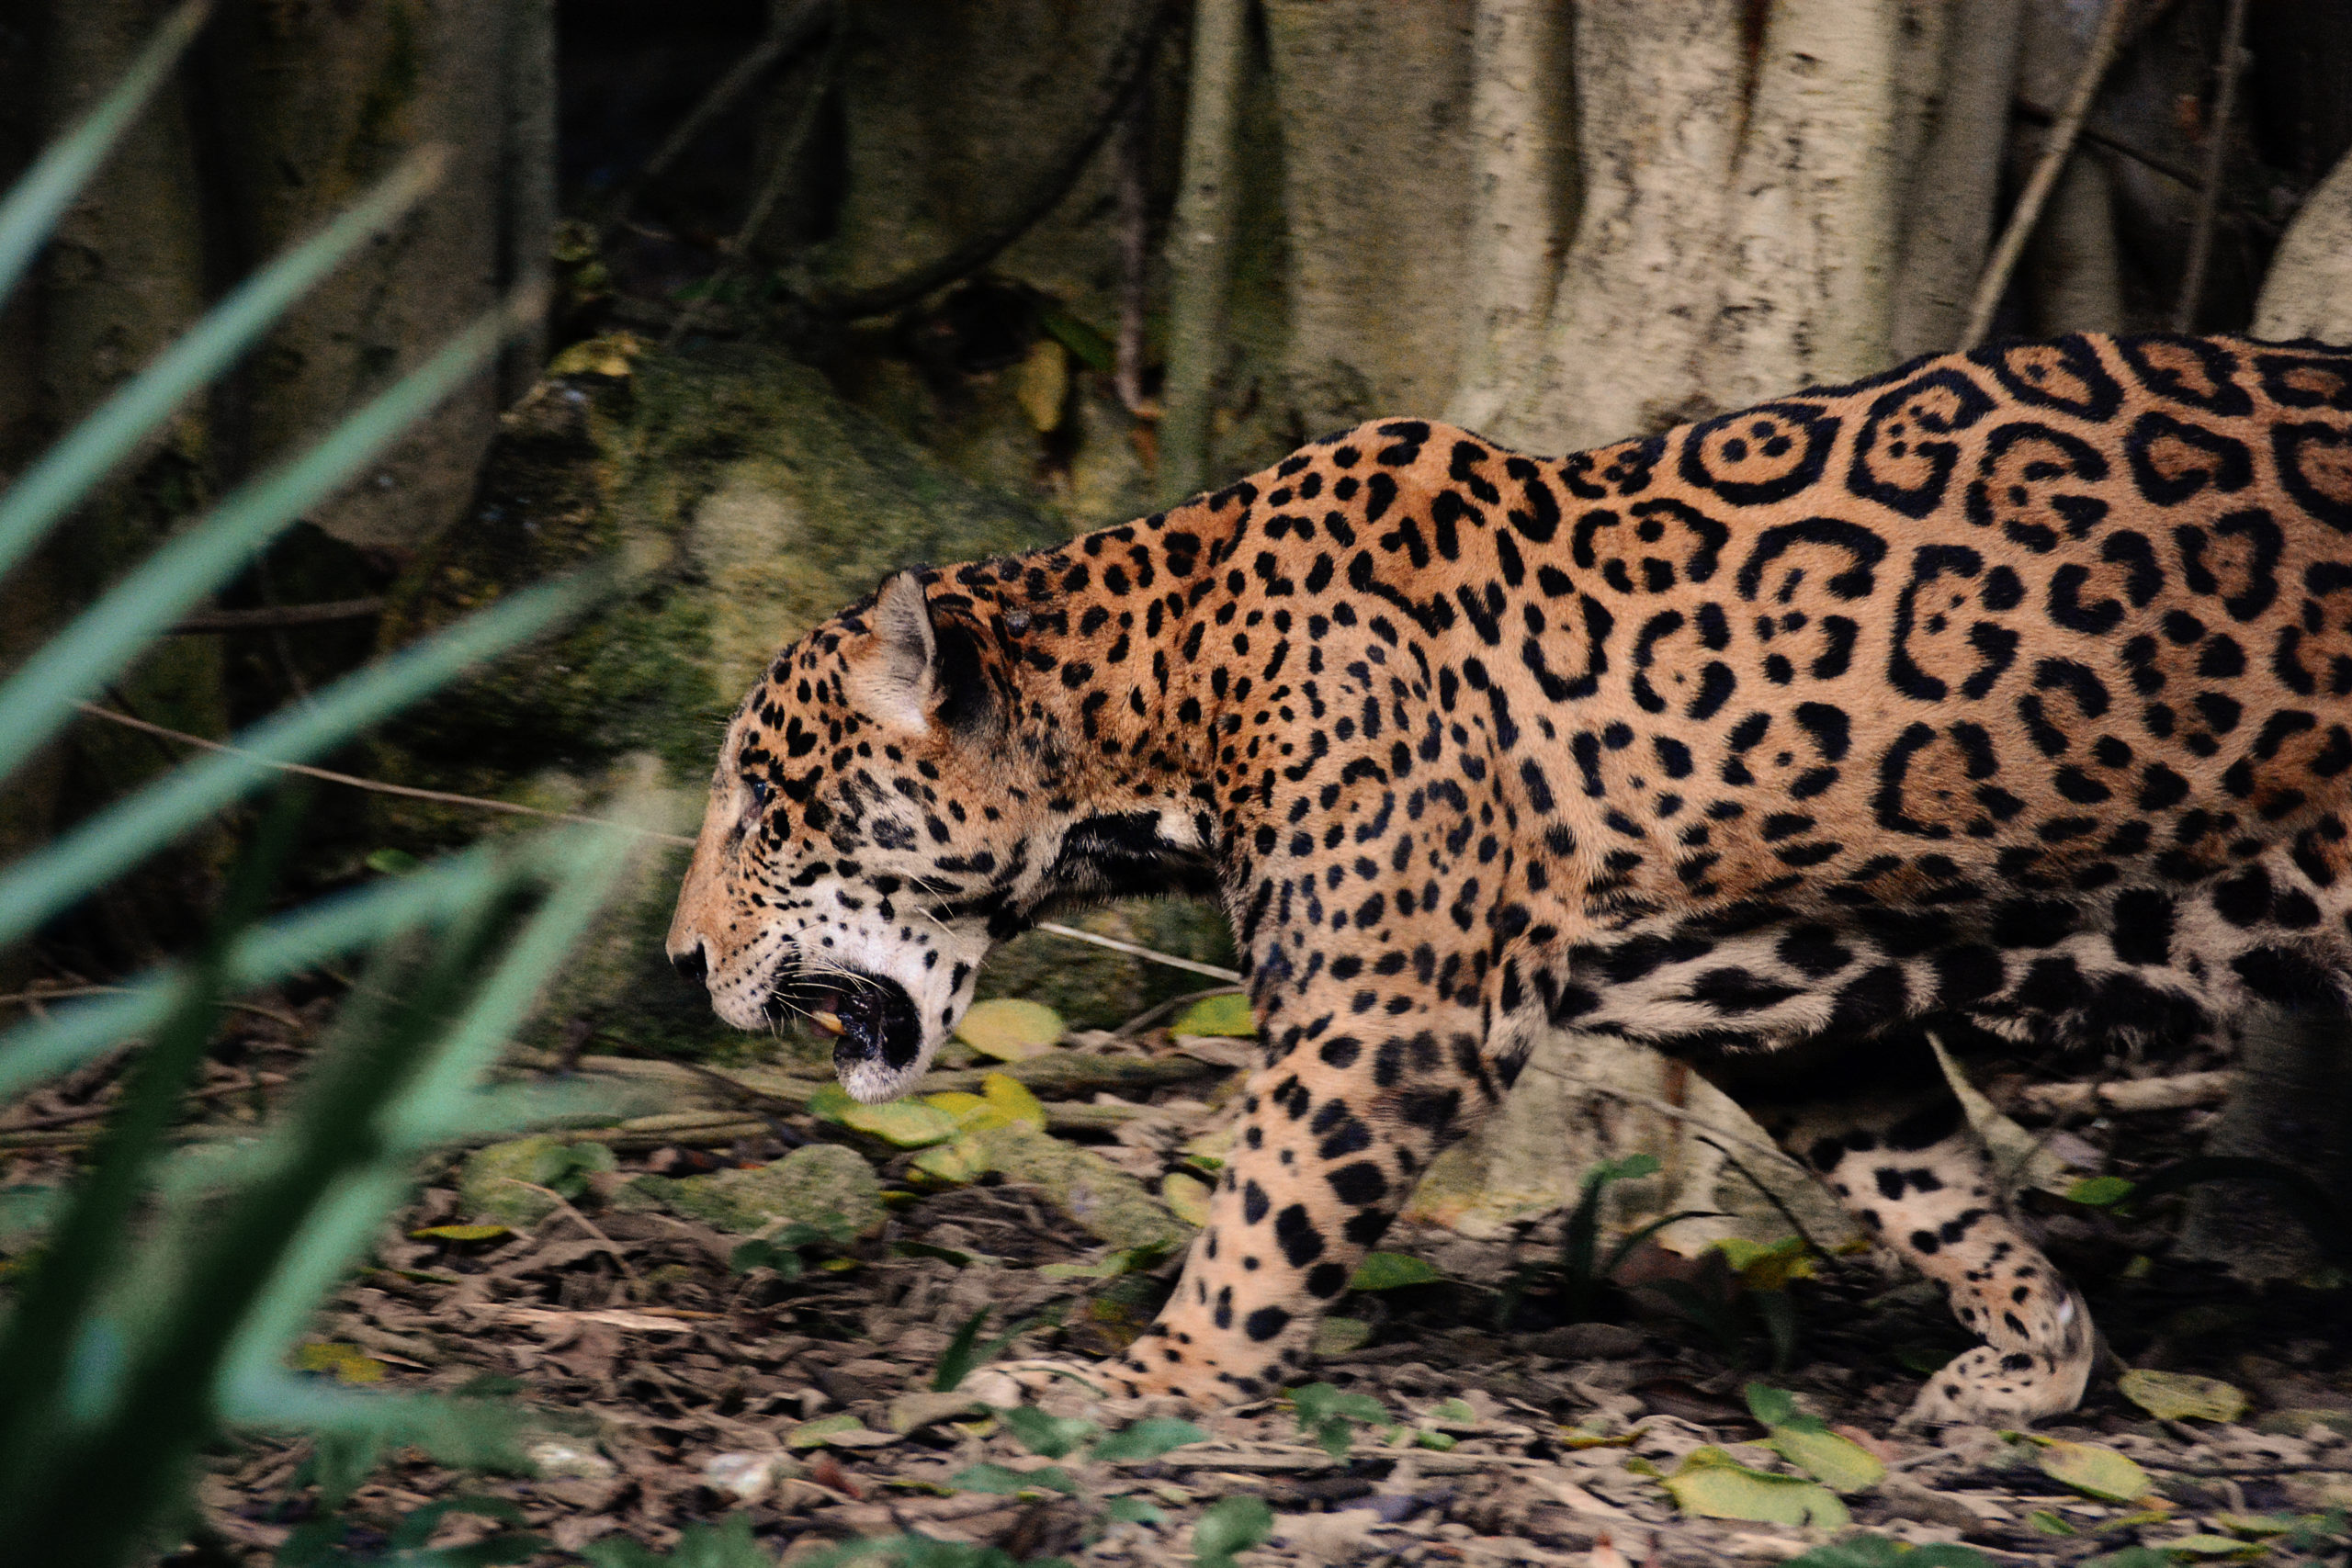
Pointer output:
x,y
812,1185
1105,1202
1094,987
495,1185
743,502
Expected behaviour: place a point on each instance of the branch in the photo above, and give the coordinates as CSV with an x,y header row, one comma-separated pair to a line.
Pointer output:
x,y
788,32
1128,64
1995,281
2217,149
1200,242
276,616
787,159
2127,1095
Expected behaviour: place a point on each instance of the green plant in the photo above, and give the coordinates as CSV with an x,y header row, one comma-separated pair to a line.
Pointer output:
x,y
965,1353
1582,1274
160,1307
781,1252
1330,1415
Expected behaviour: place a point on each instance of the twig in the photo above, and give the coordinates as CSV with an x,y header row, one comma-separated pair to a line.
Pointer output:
x,y
1995,279
1152,1014
93,1113
563,1206
2128,1095
1128,64
272,617
2035,113
789,28
449,798
377,785
1135,250
1229,977
780,172
2217,149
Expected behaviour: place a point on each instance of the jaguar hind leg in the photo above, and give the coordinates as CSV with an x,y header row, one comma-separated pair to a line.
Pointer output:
x,y
1883,1129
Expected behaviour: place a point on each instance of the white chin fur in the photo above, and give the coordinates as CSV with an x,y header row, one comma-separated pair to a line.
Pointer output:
x,y
870,1083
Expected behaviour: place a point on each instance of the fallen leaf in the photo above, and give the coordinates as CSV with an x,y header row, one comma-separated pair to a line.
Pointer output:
x,y
2092,1469
348,1363
1041,385
608,355
460,1232
955,1164
1010,1030
1391,1271
1839,1463
1711,1482
1338,1336
843,1431
908,1124
1228,1015
2178,1396
1010,1098
1187,1197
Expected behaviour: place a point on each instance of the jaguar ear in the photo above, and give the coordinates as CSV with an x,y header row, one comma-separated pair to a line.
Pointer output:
x,y
898,679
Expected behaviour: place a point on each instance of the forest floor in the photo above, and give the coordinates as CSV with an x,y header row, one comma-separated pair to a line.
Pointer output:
x,y
674,1391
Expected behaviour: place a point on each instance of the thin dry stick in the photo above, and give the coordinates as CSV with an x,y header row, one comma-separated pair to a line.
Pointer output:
x,y
275,617
764,205
2217,149
408,791
1995,280
564,1205
449,798
1130,59
789,28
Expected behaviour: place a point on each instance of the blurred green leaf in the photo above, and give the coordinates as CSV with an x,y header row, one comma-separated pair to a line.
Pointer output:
x,y
1147,1438
1050,1437
1226,1015
1229,1526
1090,346
1004,1481
1391,1271
34,203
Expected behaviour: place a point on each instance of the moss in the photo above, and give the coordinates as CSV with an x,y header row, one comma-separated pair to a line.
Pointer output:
x,y
1093,987
815,1185
743,503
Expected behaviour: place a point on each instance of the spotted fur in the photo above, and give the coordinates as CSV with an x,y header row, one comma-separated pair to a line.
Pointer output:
x,y
2005,690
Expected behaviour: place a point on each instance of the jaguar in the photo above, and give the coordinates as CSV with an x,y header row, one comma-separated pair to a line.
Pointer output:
x,y
2005,695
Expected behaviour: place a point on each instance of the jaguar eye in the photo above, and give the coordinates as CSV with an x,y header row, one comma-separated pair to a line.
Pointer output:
x,y
761,792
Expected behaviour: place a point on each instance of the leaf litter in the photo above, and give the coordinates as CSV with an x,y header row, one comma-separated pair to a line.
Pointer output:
x,y
714,1395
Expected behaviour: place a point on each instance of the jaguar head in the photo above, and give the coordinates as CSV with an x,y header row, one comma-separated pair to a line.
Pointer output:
x,y
865,840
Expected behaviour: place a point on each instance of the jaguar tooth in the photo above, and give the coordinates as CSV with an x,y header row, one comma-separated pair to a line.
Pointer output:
x,y
830,1023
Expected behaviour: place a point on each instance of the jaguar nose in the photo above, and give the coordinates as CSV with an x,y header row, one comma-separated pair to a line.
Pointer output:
x,y
693,965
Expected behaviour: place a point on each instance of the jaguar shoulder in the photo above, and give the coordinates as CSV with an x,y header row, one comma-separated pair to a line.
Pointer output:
x,y
2007,691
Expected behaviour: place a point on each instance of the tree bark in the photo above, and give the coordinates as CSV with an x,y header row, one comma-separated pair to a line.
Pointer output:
x,y
1374,101
1956,182
1523,200
1812,220
2309,291
1199,242
317,101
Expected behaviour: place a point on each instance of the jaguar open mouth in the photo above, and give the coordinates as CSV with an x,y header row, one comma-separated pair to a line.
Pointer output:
x,y
871,1020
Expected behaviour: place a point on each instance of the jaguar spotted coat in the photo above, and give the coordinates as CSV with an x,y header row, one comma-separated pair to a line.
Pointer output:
x,y
2011,689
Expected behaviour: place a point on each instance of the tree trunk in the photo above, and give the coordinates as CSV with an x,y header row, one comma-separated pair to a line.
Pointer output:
x,y
314,103
1375,100
1957,179
2309,291
1524,197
